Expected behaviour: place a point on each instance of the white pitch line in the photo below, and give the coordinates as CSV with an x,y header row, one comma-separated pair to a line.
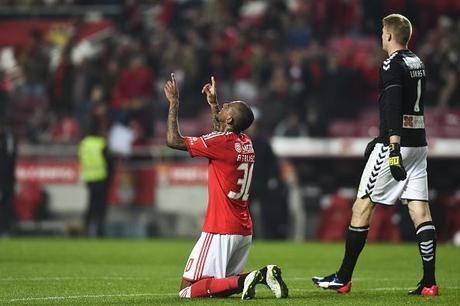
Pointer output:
x,y
61,278
174,294
64,278
354,279
367,289
88,296
372,289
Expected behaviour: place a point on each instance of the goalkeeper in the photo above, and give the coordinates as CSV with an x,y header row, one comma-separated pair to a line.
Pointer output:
x,y
396,160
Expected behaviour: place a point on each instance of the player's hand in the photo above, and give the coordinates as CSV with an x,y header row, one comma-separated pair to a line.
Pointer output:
x,y
369,148
171,91
395,161
210,91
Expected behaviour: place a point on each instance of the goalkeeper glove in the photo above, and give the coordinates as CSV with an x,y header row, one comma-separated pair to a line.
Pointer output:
x,y
395,161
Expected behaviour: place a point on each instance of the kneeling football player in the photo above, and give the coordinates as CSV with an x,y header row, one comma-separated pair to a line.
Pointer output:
x,y
215,266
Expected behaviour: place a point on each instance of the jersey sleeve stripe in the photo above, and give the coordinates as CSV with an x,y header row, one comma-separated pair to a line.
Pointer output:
x,y
212,135
390,86
204,142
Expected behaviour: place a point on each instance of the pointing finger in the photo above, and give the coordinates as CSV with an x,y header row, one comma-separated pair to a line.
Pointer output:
x,y
213,82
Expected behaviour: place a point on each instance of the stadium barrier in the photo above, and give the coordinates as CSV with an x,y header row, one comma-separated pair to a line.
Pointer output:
x,y
166,194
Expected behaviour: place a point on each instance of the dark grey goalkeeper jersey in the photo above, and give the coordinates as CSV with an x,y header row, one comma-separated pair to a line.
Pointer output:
x,y
402,92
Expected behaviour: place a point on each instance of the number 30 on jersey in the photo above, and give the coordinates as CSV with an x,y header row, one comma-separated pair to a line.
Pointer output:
x,y
244,182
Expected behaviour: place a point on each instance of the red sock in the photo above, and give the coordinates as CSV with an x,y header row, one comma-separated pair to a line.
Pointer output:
x,y
215,287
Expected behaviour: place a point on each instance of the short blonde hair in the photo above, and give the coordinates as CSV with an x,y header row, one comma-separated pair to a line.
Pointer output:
x,y
399,26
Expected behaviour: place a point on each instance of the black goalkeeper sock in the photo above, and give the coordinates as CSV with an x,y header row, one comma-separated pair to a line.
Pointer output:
x,y
426,237
356,239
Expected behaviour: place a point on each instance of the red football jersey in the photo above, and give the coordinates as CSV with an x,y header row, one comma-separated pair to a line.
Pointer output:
x,y
231,161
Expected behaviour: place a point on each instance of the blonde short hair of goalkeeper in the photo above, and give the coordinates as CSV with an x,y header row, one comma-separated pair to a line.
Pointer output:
x,y
399,26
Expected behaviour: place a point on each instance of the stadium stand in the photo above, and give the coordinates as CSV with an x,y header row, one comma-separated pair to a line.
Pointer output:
x,y
62,60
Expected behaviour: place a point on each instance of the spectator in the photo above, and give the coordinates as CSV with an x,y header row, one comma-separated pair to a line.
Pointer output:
x,y
298,32
132,18
291,126
268,194
337,92
37,125
271,53
63,82
8,154
140,167
449,95
65,130
35,61
275,101
133,93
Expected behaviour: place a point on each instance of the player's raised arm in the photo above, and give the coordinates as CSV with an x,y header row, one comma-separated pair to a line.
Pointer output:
x,y
211,96
174,138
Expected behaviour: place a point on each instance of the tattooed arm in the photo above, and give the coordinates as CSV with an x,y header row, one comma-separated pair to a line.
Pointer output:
x,y
210,91
174,138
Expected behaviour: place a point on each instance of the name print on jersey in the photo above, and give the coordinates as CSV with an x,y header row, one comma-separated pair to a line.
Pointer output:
x,y
246,158
246,152
416,67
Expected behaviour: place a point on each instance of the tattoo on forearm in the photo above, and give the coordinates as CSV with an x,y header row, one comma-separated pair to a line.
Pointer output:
x,y
174,138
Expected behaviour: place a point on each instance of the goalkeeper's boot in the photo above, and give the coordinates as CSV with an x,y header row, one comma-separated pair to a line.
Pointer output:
x,y
275,282
332,282
425,290
250,282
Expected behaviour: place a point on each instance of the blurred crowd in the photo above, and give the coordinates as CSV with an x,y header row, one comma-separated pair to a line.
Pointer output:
x,y
302,64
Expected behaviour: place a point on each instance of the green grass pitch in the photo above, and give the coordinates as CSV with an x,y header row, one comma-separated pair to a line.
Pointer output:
x,y
148,272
